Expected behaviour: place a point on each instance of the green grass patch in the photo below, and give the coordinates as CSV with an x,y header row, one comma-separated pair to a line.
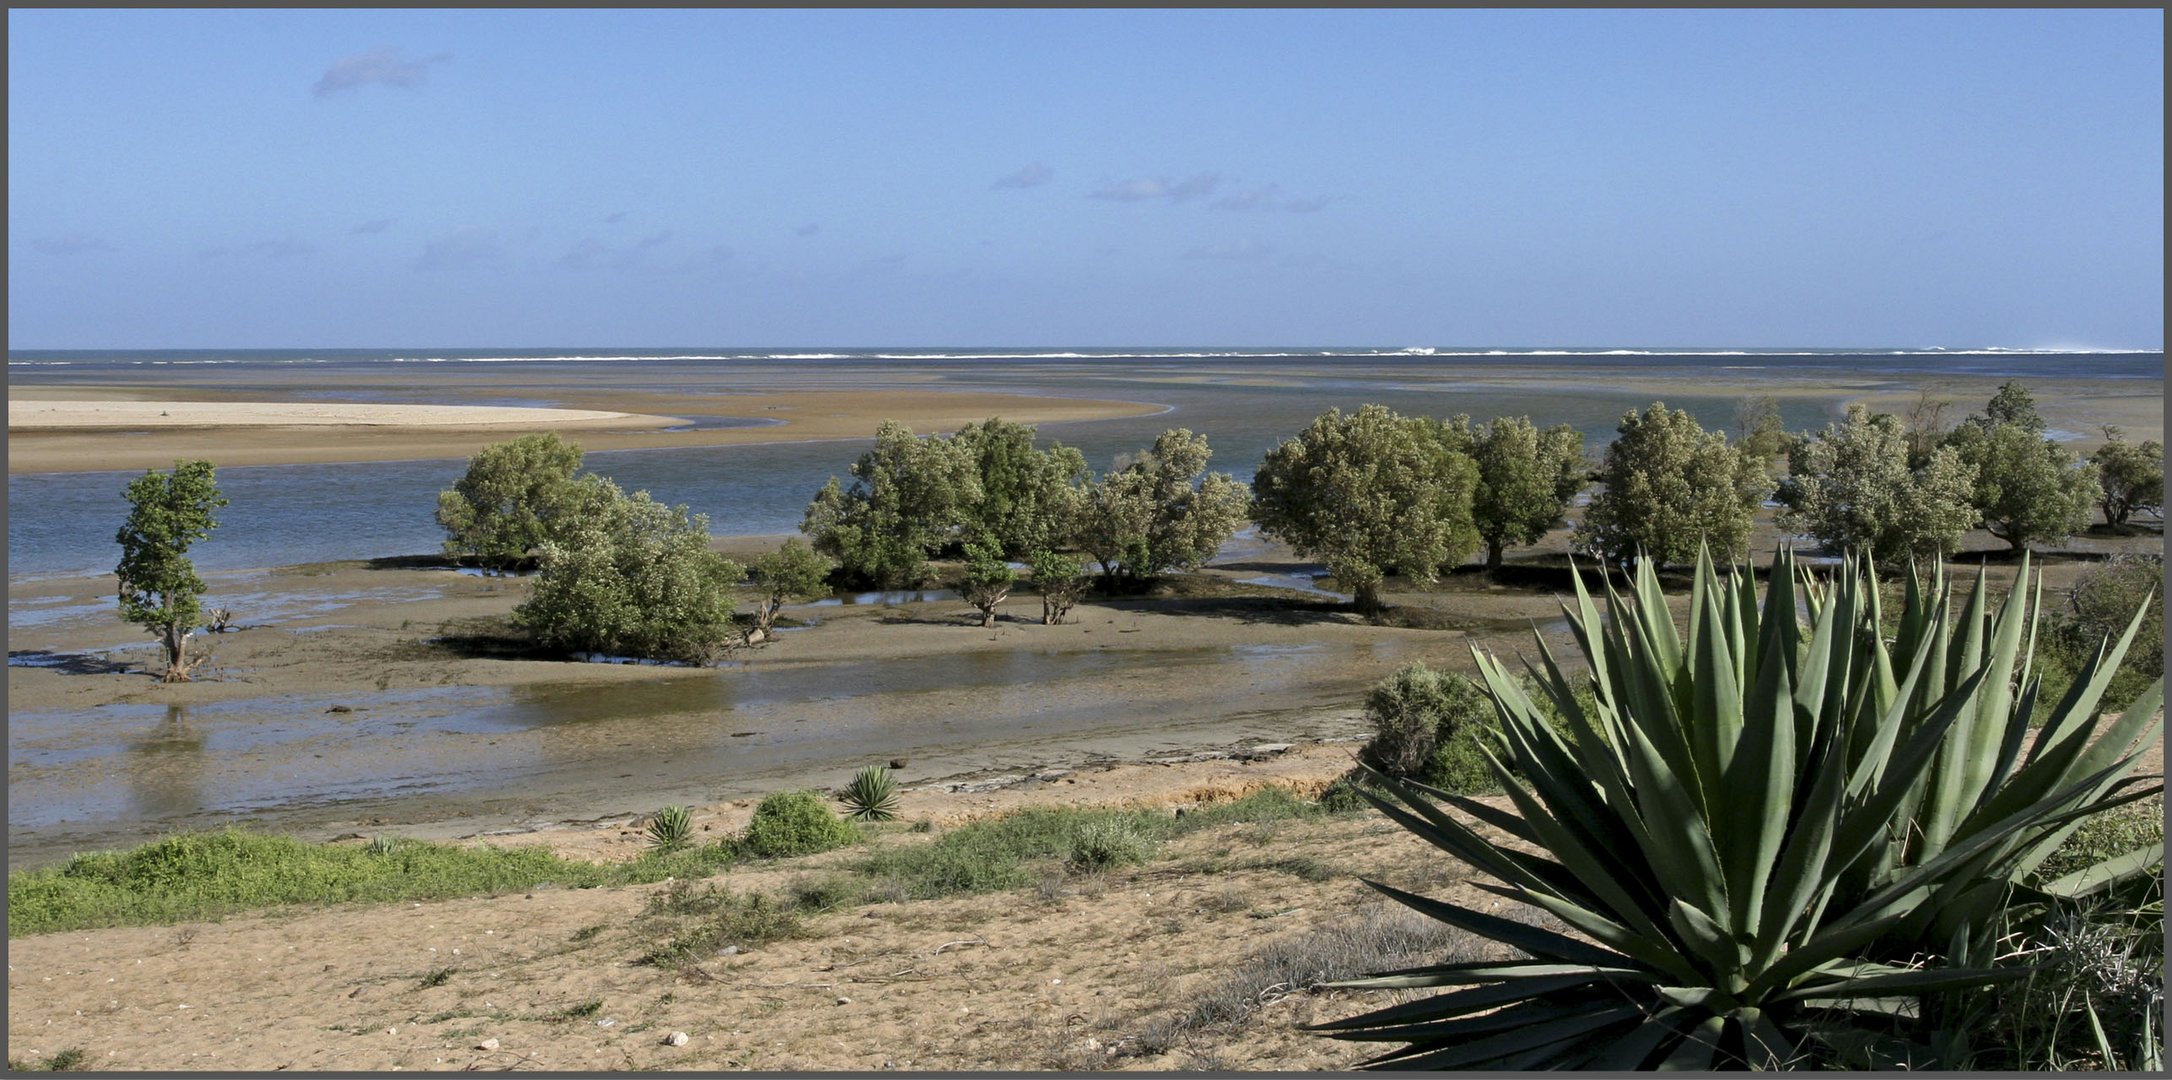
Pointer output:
x,y
1008,852
68,1060
206,875
688,923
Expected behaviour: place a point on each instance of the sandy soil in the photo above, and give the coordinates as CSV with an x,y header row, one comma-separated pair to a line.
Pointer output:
x,y
66,429
1083,972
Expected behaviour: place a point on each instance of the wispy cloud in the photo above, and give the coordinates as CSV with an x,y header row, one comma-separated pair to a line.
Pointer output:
x,y
1268,197
1033,175
74,243
1146,188
378,67
278,248
371,228
591,252
1238,251
466,246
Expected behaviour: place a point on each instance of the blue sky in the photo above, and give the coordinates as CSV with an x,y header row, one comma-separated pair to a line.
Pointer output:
x,y
1093,178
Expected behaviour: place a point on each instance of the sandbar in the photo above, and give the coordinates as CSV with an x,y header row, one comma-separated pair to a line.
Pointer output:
x,y
62,429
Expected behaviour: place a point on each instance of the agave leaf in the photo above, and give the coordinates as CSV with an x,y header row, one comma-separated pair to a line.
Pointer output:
x,y
1537,941
1633,1049
1452,837
1451,1005
1653,949
1863,824
1596,874
1706,937
1904,983
1697,1048
1763,777
1827,945
1523,1039
1767,1046
1507,1019
1800,872
1679,849
2103,875
1928,874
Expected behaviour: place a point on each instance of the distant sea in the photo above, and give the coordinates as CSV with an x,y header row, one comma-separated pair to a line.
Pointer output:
x,y
1244,400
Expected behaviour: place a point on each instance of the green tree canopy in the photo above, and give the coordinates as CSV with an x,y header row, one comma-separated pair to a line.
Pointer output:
x,y
2029,489
1367,493
159,589
636,578
1161,511
1850,487
1526,477
2130,476
1668,484
908,499
514,496
793,571
1027,496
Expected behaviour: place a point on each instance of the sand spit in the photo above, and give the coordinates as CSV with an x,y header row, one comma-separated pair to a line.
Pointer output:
x,y
94,431
104,415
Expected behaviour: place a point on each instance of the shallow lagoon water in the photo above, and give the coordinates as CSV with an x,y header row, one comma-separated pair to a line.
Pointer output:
x,y
62,524
121,773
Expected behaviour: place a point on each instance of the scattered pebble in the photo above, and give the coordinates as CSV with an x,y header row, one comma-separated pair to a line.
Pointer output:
x,y
608,1021
897,763
676,1038
843,1000
487,1044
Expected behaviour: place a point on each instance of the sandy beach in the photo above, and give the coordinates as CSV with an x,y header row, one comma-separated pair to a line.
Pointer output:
x,y
56,429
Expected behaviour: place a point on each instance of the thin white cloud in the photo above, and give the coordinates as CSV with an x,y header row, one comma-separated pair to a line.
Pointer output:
x,y
1033,175
74,243
466,246
280,248
1147,188
378,67
1268,197
1237,251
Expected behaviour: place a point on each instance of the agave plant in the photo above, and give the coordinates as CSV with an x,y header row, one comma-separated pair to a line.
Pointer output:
x,y
871,796
670,828
1779,838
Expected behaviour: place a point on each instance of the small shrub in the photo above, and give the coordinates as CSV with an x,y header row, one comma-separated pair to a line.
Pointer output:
x,y
871,796
670,829
795,823
1427,725
691,923
1103,844
1341,796
437,977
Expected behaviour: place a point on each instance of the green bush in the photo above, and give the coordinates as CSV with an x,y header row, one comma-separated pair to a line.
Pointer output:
x,y
1428,726
1099,845
795,823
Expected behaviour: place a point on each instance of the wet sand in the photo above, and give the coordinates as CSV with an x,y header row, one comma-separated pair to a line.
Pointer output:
x,y
71,429
364,698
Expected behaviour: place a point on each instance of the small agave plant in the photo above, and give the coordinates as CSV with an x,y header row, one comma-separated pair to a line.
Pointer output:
x,y
871,795
1781,839
670,828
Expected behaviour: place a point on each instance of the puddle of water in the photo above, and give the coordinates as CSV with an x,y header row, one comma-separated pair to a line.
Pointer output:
x,y
121,772
712,423
885,599
1296,583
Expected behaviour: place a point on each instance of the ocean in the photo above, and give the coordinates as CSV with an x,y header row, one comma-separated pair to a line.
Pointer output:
x,y
1244,401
